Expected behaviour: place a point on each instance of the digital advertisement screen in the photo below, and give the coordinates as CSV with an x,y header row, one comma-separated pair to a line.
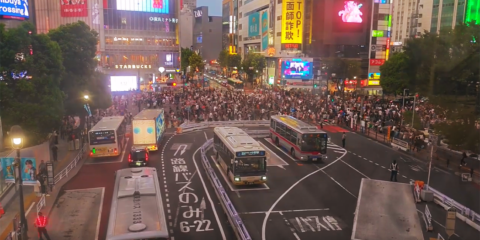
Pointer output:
x,y
123,83
151,6
297,69
14,8
350,16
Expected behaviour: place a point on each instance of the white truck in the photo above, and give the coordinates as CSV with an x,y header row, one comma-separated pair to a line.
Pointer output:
x,y
148,128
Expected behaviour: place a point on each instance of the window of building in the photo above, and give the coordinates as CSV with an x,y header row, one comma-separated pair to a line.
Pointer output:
x,y
210,19
279,18
240,15
279,34
279,1
239,26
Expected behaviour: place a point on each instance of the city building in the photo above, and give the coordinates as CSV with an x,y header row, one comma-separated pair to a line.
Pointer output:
x,y
190,4
250,17
406,20
185,23
207,34
134,41
230,25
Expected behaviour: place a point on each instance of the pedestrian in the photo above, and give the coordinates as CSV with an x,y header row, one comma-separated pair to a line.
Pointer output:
x,y
42,168
55,137
41,224
462,161
343,139
394,169
54,153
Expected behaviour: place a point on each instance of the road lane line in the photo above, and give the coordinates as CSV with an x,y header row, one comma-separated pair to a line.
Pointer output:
x,y
339,184
296,235
354,169
370,161
205,135
365,158
264,224
376,164
383,166
287,211
404,176
281,150
208,195
278,157
338,152
97,231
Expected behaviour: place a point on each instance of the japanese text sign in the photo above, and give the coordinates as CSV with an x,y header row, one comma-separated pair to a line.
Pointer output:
x,y
292,21
74,8
377,62
254,24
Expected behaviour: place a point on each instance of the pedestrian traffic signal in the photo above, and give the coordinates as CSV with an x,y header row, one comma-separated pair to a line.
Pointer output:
x,y
315,85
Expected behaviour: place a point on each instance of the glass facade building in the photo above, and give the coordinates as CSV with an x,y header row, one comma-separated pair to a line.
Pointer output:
x,y
449,13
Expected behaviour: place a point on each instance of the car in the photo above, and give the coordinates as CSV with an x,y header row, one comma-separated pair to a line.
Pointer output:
x,y
138,157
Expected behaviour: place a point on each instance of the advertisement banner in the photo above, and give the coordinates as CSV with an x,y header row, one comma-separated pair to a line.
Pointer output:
x,y
292,21
8,169
377,62
264,25
14,8
151,6
254,24
29,171
73,8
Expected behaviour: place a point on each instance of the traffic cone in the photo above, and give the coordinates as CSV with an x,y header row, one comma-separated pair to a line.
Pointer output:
x,y
1,211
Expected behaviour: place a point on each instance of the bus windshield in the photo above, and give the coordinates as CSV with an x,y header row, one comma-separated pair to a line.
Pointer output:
x,y
102,137
314,143
250,165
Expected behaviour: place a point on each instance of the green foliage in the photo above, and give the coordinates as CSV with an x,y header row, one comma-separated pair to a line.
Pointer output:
x,y
229,61
395,74
223,58
35,104
417,122
254,61
196,62
184,58
343,68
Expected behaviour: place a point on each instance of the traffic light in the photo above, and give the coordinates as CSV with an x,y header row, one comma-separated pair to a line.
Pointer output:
x,y
315,85
172,84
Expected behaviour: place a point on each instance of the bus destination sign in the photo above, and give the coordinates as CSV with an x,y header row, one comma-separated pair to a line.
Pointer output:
x,y
250,153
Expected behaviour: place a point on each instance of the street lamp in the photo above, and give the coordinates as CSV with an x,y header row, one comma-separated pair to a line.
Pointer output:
x,y
403,106
16,134
86,97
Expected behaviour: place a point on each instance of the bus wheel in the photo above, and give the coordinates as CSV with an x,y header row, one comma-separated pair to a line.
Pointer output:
x,y
292,152
276,142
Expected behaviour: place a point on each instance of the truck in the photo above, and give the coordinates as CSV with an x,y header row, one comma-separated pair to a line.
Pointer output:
x,y
148,128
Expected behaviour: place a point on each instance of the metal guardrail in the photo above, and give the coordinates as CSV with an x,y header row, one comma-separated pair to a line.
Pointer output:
x,y
41,203
188,127
232,214
427,217
470,214
417,193
64,173
439,237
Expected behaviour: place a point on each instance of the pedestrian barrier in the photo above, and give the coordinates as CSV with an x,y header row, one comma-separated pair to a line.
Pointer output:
x,y
232,214
64,173
189,127
439,237
417,193
427,217
463,213
399,144
41,203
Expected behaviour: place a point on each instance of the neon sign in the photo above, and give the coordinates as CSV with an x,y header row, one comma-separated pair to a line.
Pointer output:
x,y
351,12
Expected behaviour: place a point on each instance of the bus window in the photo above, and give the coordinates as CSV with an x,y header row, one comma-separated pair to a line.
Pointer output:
x,y
102,137
314,143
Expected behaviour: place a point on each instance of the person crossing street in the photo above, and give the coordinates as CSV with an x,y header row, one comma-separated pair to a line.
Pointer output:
x,y
41,224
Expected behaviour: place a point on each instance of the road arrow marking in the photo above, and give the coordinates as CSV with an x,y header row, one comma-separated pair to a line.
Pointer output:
x,y
203,206
183,148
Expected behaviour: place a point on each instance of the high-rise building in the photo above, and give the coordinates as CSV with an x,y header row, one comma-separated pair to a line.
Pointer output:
x,y
191,4
447,14
250,21
207,34
405,19
185,22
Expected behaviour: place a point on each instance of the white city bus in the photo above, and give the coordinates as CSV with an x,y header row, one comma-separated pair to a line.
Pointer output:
x,y
137,206
107,137
240,156
301,140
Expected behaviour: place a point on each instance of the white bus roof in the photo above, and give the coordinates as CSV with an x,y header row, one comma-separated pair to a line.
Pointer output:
x,y
148,114
296,124
135,198
237,140
108,123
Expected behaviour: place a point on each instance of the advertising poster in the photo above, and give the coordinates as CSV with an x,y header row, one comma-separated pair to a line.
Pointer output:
x,y
8,169
29,171
73,8
264,25
14,9
150,6
160,126
254,24
292,21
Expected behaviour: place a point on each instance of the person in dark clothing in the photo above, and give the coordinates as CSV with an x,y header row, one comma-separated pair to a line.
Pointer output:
x,y
54,152
462,161
343,140
394,171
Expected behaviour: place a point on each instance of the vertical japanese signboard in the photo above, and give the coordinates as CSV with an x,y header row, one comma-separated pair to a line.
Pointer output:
x,y
292,21
264,27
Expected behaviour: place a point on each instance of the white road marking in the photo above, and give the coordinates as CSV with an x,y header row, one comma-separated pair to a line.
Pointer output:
x,y
279,158
354,169
339,184
338,151
383,166
287,211
205,135
264,224
296,236
365,158
269,141
404,176
97,231
208,196
370,161
376,164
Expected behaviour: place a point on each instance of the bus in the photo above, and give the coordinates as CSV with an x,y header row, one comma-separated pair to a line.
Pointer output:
x,y
239,156
235,84
137,206
301,140
107,137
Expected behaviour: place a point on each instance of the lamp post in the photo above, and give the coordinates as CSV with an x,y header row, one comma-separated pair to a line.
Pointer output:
x,y
403,106
16,134
87,98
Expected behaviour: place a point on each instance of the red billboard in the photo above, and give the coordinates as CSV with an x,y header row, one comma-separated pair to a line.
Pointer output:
x,y
377,62
73,8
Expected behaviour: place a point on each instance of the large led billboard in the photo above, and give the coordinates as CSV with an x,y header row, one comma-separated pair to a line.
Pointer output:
x,y
14,8
351,12
296,68
123,83
151,6
350,16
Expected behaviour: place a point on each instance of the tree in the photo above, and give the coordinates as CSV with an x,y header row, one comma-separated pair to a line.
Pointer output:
x,y
223,58
253,63
79,45
34,102
234,61
395,74
196,63
185,54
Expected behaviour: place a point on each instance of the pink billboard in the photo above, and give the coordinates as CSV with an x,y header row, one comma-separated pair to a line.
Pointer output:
x,y
351,12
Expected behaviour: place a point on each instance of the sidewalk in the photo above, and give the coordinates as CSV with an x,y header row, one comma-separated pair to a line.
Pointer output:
x,y
451,185
10,199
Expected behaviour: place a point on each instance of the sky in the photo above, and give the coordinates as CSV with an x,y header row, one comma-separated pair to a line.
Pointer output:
x,y
214,6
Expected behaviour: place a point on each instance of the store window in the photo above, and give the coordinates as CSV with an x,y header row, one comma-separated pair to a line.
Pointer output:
x,y
112,59
139,41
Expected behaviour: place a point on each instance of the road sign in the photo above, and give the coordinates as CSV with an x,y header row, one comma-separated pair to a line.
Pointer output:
x,y
450,222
